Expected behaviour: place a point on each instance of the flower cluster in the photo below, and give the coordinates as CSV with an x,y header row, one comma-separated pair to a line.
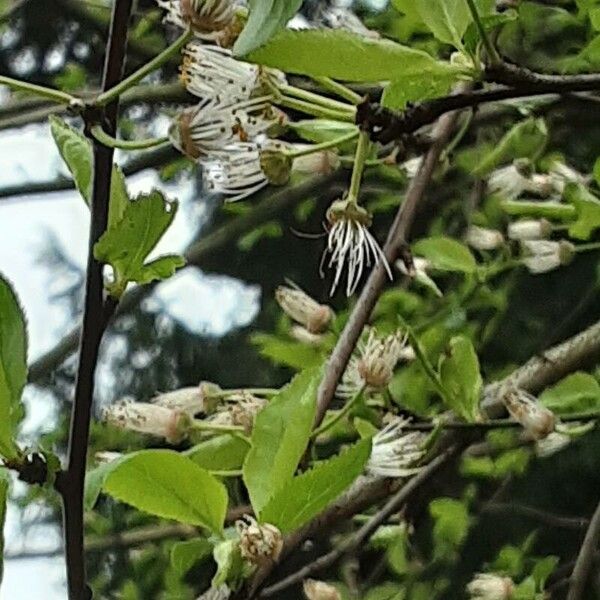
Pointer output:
x,y
260,543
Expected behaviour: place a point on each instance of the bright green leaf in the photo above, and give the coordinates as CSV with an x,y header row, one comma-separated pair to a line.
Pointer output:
x,y
447,19
266,18
459,371
166,484
446,254
94,482
347,56
220,453
578,392
543,569
13,367
280,437
539,209
184,555
321,130
126,244
451,526
305,496
230,565
597,171
588,211
287,352
400,92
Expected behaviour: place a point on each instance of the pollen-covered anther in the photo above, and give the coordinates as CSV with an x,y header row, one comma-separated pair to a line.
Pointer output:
x,y
260,544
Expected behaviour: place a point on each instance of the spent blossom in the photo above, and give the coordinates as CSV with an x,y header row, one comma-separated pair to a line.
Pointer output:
x,y
260,543
395,452
489,586
350,245
319,590
189,400
303,309
541,256
535,418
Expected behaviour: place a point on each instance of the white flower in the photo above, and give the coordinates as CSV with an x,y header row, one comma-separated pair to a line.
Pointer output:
x,y
350,244
210,71
148,418
529,229
319,590
210,128
482,238
535,418
395,452
508,181
541,256
411,166
373,367
260,544
489,586
303,309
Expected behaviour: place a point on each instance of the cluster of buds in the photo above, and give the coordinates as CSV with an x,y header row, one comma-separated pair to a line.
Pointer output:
x,y
260,543
319,590
489,586
396,452
300,307
535,418
373,368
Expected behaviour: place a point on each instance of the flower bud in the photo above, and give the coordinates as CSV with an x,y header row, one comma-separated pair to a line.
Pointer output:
x,y
260,544
509,181
489,586
189,400
302,335
300,307
482,238
535,418
147,418
529,229
319,590
316,163
542,256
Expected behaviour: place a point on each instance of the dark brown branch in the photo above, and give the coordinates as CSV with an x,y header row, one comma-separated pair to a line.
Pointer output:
x,y
585,559
512,509
71,483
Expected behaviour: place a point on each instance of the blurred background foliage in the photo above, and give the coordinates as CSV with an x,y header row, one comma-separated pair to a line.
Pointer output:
x,y
510,318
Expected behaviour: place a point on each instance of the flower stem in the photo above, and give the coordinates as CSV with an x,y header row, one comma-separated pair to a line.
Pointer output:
x,y
216,428
38,90
324,145
588,247
317,99
341,90
150,66
255,391
340,414
314,109
236,473
360,157
112,142
491,50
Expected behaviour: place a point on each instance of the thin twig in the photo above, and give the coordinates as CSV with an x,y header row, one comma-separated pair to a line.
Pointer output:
x,y
71,483
512,509
585,559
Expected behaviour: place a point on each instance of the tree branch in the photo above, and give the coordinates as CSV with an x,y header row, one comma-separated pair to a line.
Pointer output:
x,y
71,482
512,509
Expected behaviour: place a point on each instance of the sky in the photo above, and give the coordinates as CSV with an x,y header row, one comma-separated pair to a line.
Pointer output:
x,y
26,224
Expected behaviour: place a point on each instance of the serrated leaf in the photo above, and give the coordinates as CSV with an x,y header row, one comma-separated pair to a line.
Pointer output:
x,y
446,254
588,211
13,367
221,453
169,485
266,18
305,496
184,555
280,437
578,392
526,139
347,56
4,483
446,19
459,372
126,244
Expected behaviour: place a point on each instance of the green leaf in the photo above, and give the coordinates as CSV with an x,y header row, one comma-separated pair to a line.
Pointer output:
x,y
446,254
166,484
347,56
230,565
119,197
578,392
4,483
94,482
126,244
526,139
597,171
184,555
451,526
489,22
588,211
400,92
446,19
266,18
280,437
287,352
221,453
459,371
305,496
321,130
543,569
13,367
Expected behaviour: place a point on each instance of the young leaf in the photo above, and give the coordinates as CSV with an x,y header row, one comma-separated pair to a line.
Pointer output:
x,y
166,484
451,526
125,245
221,453
348,56
94,482
184,555
230,565
578,392
400,92
447,19
279,438
588,211
4,481
459,371
266,18
446,254
305,496
13,367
